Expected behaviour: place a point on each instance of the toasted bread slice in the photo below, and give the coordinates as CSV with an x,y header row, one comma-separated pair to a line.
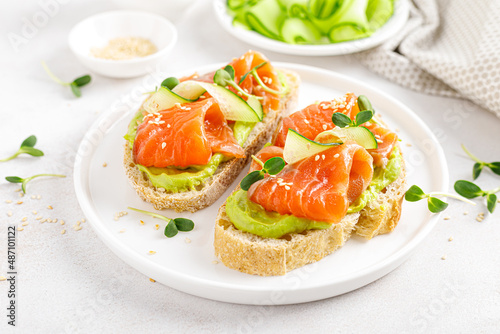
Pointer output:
x,y
215,186
253,254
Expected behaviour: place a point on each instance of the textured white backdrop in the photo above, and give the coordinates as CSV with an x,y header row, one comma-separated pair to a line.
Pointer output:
x,y
72,283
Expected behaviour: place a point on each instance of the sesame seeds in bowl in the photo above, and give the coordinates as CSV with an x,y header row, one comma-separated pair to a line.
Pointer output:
x,y
122,44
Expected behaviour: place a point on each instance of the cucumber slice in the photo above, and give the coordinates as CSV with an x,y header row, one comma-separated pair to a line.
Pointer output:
x,y
359,134
298,147
163,99
233,106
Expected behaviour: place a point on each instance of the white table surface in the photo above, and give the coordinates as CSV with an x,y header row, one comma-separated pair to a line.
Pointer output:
x,y
72,283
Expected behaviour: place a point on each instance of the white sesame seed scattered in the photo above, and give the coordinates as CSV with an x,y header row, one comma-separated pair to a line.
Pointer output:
x,y
78,223
408,144
83,220
24,219
50,207
38,217
63,231
306,121
3,278
121,231
466,213
323,157
316,158
168,126
446,218
161,122
104,165
325,127
8,201
25,224
151,252
77,227
18,190
34,212
157,227
443,257
152,280
21,194
215,262
19,202
62,222
9,213
163,145
336,156
43,221
38,196
450,239
20,229
287,187
188,241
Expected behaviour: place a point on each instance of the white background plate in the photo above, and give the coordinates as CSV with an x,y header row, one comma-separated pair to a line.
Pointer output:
x,y
389,29
189,267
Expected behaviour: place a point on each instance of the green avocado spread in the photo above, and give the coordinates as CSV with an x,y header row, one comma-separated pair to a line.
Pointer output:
x,y
174,179
251,217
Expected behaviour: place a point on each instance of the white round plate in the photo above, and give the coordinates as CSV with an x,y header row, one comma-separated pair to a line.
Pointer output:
x,y
388,30
191,267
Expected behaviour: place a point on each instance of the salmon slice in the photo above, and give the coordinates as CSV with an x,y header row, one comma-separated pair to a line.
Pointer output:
x,y
317,118
319,187
185,135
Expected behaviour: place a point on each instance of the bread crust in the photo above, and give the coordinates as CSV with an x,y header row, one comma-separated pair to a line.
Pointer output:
x,y
226,173
255,255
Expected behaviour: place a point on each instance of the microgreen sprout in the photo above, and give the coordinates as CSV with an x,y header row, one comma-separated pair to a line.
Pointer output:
x,y
261,83
364,115
470,190
74,85
479,165
173,225
170,82
24,182
27,146
434,204
272,167
225,77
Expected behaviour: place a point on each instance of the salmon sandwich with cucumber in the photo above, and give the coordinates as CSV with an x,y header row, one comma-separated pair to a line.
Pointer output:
x,y
193,136
334,169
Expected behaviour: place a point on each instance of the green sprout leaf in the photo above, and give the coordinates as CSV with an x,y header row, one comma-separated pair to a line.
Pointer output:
x,y
170,83
74,85
414,194
27,148
184,224
171,229
274,165
24,181
468,189
364,104
476,170
29,142
341,120
222,78
173,225
491,201
229,69
436,205
82,81
251,178
255,68
495,167
363,117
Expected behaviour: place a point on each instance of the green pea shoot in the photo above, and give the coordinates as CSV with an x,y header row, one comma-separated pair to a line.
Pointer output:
x,y
27,147
74,85
173,225
24,181
479,165
272,167
470,190
434,204
365,114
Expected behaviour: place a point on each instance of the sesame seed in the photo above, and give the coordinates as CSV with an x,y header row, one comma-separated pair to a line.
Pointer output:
x,y
8,201
443,257
306,121
157,227
25,224
18,190
163,145
336,155
323,156
9,213
287,187
50,207
38,217
215,262
21,194
324,127
408,144
188,241
63,231
77,223
122,230
24,219
43,221
466,213
38,196
161,122
34,212
168,125
20,229
77,227
62,222
142,222
446,218
83,220
151,252
19,202
104,165
3,278
316,158
450,239
152,280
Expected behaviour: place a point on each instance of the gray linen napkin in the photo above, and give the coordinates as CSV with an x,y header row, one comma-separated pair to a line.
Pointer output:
x,y
448,48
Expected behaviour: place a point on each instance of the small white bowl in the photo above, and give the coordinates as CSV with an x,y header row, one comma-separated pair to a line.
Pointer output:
x,y
97,30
